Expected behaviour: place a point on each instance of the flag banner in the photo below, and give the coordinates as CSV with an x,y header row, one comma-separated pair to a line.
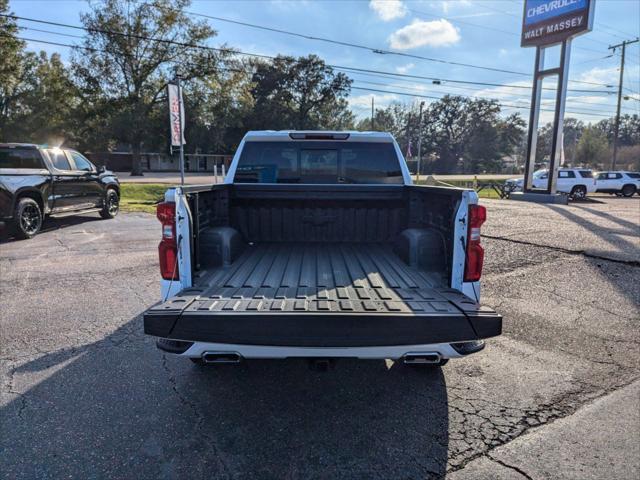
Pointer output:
x,y
176,114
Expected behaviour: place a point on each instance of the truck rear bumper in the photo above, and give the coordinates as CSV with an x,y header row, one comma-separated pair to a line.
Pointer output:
x,y
334,330
444,350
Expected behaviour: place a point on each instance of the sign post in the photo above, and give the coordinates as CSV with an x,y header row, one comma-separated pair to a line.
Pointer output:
x,y
176,121
547,24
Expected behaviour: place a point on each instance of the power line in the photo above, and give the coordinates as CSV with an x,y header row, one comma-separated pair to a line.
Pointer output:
x,y
377,50
523,96
364,47
522,107
238,52
352,87
465,82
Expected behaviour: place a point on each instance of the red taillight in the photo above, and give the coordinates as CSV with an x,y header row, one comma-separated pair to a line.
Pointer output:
x,y
168,247
475,252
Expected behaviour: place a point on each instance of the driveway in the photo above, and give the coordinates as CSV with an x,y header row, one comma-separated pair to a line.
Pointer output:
x,y
85,394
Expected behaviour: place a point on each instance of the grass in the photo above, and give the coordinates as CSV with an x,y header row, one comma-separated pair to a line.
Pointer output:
x,y
487,192
141,197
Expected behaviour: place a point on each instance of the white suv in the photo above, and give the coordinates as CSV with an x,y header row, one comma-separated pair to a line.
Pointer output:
x,y
576,182
620,183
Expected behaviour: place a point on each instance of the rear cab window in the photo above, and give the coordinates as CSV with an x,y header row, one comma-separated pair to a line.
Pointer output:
x,y
586,173
14,158
319,162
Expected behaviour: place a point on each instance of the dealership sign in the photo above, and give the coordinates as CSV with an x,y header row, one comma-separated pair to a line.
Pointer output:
x,y
551,21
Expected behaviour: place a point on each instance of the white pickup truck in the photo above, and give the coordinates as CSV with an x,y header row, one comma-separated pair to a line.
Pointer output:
x,y
576,182
317,245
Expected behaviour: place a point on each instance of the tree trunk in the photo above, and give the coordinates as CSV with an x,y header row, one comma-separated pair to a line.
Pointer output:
x,y
136,160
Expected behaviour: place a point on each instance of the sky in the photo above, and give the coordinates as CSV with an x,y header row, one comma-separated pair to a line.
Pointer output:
x,y
482,33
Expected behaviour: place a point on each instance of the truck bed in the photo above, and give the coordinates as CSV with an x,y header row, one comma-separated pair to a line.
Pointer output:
x,y
321,294
296,277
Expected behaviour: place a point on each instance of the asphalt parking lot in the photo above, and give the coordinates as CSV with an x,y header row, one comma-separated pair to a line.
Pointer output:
x,y
86,395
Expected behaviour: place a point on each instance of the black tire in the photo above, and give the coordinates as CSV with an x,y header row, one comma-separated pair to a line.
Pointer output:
x,y
27,218
628,190
579,192
111,204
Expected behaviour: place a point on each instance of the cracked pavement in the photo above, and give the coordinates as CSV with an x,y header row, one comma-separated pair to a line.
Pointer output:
x,y
86,395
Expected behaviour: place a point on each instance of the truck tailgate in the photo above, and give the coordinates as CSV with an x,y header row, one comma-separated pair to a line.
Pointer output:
x,y
330,295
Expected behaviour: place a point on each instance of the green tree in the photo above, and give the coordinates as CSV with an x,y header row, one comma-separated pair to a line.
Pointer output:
x,y
593,147
217,107
572,131
301,94
131,51
16,75
467,134
49,104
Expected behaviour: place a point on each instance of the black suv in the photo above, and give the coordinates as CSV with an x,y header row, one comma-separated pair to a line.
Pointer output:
x,y
36,181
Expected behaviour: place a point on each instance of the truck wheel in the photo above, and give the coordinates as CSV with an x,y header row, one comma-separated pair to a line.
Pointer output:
x,y
579,192
628,190
111,204
28,218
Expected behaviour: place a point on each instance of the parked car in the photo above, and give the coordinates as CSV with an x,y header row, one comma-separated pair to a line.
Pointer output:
x,y
576,182
619,182
318,246
37,181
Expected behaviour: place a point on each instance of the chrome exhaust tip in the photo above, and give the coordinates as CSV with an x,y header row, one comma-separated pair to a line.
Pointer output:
x,y
221,357
421,358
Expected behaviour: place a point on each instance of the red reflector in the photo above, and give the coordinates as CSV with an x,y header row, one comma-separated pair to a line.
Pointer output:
x,y
477,216
475,252
168,260
166,212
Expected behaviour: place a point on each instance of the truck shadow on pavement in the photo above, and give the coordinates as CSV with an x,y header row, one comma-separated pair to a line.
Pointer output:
x,y
614,237
51,224
120,408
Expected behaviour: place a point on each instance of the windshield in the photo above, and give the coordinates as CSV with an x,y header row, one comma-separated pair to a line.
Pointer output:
x,y
540,174
318,162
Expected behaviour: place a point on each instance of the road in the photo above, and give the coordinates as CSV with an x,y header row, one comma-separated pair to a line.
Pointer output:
x,y
86,395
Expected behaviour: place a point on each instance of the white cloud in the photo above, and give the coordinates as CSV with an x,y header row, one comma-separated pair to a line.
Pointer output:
x,y
361,104
445,4
405,68
388,9
600,75
436,33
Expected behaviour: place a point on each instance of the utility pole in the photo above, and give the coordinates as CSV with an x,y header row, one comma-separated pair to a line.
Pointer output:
x,y
419,141
372,113
617,124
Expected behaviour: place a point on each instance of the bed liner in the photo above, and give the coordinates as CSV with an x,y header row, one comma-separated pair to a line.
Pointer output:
x,y
321,294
